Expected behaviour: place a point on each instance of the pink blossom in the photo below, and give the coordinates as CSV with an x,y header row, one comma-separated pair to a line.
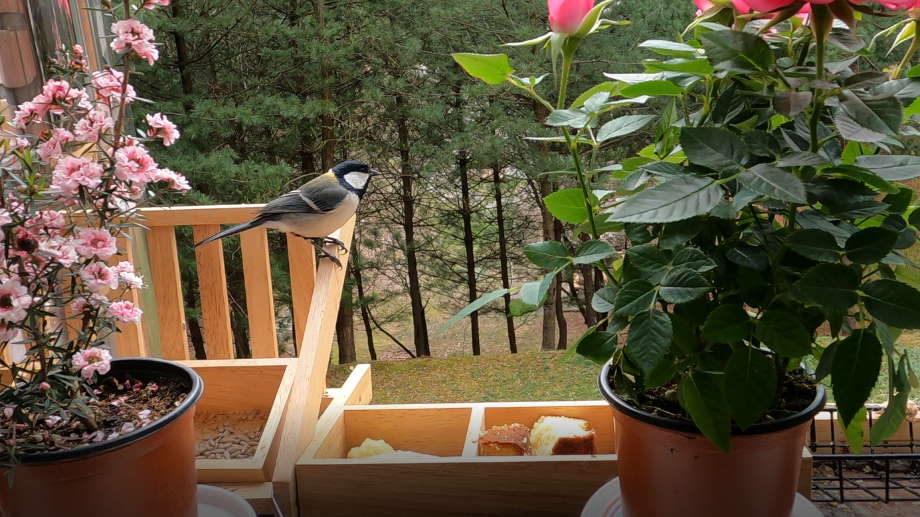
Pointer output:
x,y
97,276
88,128
5,218
132,35
134,164
98,436
71,173
92,360
151,4
58,93
44,386
8,334
21,143
77,50
112,436
126,274
108,84
147,51
127,427
175,181
95,300
51,221
161,127
565,16
125,312
53,419
59,249
95,243
27,113
51,149
8,411
14,301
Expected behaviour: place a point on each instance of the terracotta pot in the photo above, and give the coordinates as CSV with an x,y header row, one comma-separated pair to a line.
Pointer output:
x,y
146,473
667,468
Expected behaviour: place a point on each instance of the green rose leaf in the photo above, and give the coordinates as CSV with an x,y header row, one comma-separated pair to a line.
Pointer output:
x,y
854,372
870,245
749,256
727,324
623,126
880,114
533,294
647,258
598,346
519,308
894,414
694,259
547,254
675,200
491,68
712,147
736,50
571,118
891,168
648,339
814,244
567,205
750,385
783,333
682,285
593,251
827,359
671,48
791,103
831,285
774,182
893,302
604,299
652,88
703,398
475,306
635,297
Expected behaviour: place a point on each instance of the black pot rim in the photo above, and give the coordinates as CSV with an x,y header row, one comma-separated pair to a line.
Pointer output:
x,y
683,426
130,365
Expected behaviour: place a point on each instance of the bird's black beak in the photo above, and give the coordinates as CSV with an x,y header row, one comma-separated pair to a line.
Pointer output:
x,y
374,172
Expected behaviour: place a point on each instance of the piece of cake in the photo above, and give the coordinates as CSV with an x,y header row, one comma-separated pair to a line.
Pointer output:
x,y
559,435
505,440
370,448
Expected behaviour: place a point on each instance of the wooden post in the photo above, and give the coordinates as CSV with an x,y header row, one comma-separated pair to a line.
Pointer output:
x,y
167,288
129,341
302,264
310,379
212,285
260,306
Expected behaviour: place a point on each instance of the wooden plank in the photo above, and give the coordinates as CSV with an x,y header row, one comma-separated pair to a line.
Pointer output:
x,y
197,215
260,304
129,341
167,288
473,431
212,286
357,389
302,265
437,430
274,429
310,381
258,495
330,433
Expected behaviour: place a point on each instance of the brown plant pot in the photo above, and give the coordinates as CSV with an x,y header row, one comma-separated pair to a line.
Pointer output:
x,y
149,472
667,468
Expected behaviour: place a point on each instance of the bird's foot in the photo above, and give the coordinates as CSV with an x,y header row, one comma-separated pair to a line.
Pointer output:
x,y
340,244
317,243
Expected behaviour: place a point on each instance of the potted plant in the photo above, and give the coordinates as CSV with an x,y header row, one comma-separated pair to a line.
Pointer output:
x,y
72,418
764,220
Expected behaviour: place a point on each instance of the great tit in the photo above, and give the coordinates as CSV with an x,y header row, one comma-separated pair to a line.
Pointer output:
x,y
320,207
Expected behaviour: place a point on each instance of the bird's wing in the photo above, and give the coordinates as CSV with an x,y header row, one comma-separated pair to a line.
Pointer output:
x,y
319,196
289,203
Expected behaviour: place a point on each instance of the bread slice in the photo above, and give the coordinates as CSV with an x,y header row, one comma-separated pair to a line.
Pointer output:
x,y
559,435
370,448
505,440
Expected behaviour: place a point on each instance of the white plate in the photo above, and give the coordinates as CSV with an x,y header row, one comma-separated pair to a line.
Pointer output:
x,y
217,502
606,502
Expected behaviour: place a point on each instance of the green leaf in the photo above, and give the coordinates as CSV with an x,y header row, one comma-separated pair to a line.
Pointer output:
x,y
671,48
687,66
694,259
893,302
783,333
727,324
661,375
599,346
814,244
648,339
491,68
774,182
866,176
603,87
749,256
519,308
891,168
635,297
571,118
800,159
854,372
547,254
885,337
854,432
735,50
567,205
704,399
750,385
623,126
879,114
831,285
674,200
679,232
682,285
761,143
684,334
652,88
713,147
791,103
647,258
534,293
593,251
604,298
473,307
870,245
827,359
853,131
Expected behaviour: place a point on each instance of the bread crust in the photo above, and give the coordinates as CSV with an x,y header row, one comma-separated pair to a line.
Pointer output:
x,y
505,440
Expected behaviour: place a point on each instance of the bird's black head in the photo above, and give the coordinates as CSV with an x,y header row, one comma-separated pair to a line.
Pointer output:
x,y
354,175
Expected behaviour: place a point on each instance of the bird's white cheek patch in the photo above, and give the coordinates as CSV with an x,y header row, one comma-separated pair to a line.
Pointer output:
x,y
356,179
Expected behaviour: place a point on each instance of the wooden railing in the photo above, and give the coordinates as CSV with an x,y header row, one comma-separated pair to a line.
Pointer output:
x,y
164,279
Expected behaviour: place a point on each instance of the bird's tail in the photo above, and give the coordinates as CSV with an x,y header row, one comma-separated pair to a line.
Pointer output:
x,y
232,231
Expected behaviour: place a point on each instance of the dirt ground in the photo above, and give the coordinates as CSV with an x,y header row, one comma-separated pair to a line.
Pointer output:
x,y
900,509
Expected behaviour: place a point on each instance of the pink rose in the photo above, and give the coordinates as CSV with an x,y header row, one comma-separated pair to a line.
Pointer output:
x,y
565,16
95,243
97,276
71,173
92,360
764,6
161,127
125,312
14,301
45,386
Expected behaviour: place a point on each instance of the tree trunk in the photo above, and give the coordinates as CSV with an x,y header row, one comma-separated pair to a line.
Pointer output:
x,y
182,60
467,215
345,324
194,326
419,325
241,342
328,120
365,315
560,314
548,341
503,256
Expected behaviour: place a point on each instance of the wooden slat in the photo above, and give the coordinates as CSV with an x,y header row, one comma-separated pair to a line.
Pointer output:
x,y
309,384
258,495
167,288
212,286
129,342
302,262
473,431
260,305
197,215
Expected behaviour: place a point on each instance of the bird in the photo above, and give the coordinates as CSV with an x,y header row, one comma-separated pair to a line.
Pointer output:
x,y
315,210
